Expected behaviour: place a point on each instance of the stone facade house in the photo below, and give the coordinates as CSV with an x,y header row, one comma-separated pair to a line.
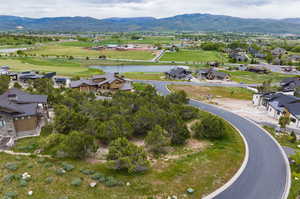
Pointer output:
x,y
179,74
212,74
109,82
22,114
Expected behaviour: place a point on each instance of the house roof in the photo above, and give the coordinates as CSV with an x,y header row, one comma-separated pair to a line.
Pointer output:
x,y
78,83
283,99
108,78
23,104
23,97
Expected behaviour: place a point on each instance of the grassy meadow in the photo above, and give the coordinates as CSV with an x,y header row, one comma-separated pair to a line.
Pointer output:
x,y
200,92
194,56
75,51
252,78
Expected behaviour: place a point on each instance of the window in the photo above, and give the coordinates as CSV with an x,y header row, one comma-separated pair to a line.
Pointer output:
x,y
2,123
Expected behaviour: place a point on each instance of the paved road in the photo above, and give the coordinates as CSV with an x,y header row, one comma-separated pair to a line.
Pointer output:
x,y
266,173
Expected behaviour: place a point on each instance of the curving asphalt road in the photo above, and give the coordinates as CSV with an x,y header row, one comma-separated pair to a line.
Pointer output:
x,y
266,175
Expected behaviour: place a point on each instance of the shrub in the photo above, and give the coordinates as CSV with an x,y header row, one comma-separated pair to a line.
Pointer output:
x,y
77,144
9,178
76,182
67,167
87,171
48,165
127,156
49,180
23,183
112,182
157,141
60,172
211,127
11,195
97,176
11,166
41,160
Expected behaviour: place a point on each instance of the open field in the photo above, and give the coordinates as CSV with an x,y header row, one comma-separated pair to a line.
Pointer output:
x,y
145,76
252,78
61,67
194,56
197,169
60,50
201,93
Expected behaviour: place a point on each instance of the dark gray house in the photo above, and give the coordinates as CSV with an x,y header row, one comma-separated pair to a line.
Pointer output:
x,y
21,113
179,74
290,84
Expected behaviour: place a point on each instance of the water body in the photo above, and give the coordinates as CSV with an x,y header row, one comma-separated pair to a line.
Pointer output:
x,y
11,50
137,68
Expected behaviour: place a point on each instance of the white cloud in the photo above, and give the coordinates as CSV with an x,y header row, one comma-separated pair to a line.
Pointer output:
x,y
155,8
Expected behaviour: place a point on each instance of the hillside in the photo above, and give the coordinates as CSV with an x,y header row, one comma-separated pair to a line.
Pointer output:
x,y
189,22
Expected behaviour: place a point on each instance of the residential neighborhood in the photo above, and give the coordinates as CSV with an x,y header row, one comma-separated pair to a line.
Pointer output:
x,y
134,99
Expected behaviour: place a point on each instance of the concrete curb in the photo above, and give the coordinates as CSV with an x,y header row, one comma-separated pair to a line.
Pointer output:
x,y
237,175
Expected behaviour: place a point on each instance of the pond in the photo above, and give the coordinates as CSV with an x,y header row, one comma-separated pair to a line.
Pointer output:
x,y
137,68
11,50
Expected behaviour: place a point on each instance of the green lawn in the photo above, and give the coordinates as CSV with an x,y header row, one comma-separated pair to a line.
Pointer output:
x,y
144,76
200,92
252,78
65,50
61,67
194,56
199,170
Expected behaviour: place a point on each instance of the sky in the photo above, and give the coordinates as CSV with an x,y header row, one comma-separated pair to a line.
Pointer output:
x,y
150,8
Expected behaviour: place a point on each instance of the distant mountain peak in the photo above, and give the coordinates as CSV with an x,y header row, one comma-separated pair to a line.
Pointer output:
x,y
184,22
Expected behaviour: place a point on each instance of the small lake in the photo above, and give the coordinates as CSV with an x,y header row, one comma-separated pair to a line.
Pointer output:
x,y
11,50
137,68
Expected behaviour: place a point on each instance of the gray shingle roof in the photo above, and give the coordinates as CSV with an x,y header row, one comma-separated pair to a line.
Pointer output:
x,y
23,105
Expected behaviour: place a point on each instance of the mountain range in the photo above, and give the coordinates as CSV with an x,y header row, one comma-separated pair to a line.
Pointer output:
x,y
187,22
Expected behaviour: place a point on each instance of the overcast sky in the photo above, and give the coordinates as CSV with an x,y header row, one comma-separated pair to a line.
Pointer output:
x,y
154,8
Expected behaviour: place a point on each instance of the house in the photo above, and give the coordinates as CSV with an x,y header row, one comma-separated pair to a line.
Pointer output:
x,y
260,55
109,82
31,75
22,114
280,104
213,64
212,74
294,58
278,51
239,57
290,83
257,69
179,74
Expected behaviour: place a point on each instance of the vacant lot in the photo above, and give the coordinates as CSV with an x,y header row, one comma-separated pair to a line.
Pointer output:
x,y
194,56
252,78
195,166
65,50
202,93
